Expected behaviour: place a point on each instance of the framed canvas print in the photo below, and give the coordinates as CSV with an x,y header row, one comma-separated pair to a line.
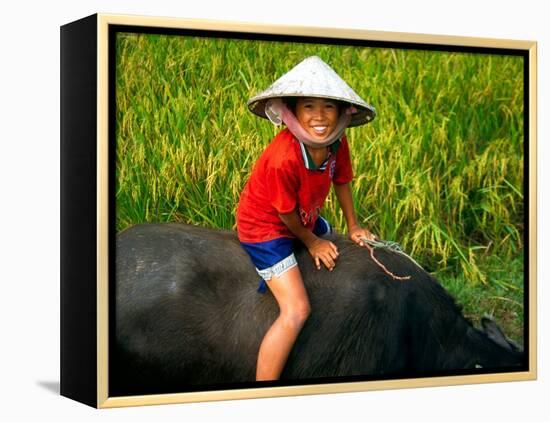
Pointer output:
x,y
260,211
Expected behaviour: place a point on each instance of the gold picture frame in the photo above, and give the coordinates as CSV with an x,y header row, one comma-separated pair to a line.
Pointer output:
x,y
87,232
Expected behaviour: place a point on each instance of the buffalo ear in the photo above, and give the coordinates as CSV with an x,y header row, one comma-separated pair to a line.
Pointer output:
x,y
495,333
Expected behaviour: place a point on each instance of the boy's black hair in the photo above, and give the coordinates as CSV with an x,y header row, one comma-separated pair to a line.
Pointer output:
x,y
291,104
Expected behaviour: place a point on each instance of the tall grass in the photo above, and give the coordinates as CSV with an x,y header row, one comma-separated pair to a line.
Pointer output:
x,y
440,170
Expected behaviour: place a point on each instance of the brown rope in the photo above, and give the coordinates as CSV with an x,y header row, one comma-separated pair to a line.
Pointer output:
x,y
388,272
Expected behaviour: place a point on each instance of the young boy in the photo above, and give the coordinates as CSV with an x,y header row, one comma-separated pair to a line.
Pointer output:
x,y
287,188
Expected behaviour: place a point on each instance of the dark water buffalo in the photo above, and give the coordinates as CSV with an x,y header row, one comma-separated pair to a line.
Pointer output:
x,y
188,316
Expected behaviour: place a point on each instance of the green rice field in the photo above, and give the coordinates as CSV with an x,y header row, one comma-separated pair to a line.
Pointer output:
x,y
440,169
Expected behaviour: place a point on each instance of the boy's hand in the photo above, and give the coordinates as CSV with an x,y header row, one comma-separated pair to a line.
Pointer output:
x,y
323,251
356,233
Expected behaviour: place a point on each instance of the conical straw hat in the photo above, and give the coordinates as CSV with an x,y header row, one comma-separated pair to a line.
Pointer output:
x,y
313,78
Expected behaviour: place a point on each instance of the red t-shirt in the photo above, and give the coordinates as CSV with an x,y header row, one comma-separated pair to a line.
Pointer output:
x,y
281,183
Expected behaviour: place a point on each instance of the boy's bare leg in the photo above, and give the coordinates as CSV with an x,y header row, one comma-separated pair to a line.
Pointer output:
x,y
291,295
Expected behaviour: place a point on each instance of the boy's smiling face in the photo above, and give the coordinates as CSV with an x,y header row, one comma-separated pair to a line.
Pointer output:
x,y
318,116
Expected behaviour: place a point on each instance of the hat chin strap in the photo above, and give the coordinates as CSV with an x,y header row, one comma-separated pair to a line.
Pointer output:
x,y
277,112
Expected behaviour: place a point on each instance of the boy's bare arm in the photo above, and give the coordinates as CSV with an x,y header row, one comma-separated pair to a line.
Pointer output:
x,y
321,250
343,194
292,221
356,232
